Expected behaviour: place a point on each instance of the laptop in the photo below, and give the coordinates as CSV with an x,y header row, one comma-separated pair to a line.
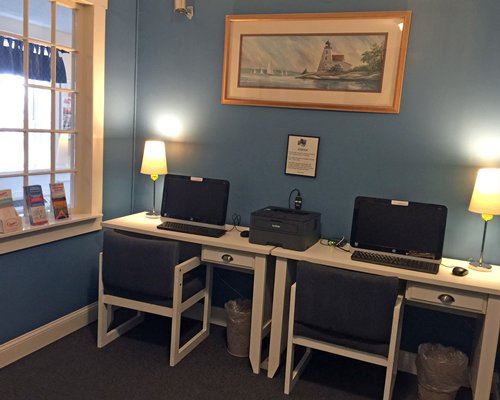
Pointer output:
x,y
398,233
194,205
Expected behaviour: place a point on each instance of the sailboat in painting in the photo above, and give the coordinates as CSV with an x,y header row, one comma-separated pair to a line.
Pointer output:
x,y
269,70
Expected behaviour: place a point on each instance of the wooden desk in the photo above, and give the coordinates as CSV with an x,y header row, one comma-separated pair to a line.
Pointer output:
x,y
477,294
231,251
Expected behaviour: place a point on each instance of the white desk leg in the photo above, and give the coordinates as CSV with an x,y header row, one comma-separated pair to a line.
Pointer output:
x,y
259,289
279,325
485,352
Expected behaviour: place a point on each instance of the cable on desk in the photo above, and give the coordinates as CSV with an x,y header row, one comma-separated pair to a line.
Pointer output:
x,y
236,218
336,243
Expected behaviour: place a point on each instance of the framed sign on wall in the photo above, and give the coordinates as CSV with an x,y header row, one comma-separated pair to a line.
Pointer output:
x,y
302,155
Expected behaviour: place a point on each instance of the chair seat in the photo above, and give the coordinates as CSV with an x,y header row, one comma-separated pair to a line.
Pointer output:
x,y
340,339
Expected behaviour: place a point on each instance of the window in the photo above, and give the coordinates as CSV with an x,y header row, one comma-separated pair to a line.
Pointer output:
x,y
37,85
51,97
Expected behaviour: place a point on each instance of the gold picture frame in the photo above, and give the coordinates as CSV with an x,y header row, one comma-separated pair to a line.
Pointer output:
x,y
331,61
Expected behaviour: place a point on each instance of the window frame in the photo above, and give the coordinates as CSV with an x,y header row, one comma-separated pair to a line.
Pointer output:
x,y
86,215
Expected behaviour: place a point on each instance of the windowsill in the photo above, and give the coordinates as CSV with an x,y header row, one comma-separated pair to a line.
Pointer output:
x,y
30,236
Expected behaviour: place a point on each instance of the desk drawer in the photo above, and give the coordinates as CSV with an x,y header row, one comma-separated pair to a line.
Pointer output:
x,y
227,257
446,297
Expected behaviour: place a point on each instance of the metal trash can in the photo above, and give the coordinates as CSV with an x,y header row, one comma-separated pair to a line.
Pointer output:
x,y
441,371
238,318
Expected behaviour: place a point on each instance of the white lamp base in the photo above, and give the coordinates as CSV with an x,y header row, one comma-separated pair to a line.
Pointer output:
x,y
480,266
152,214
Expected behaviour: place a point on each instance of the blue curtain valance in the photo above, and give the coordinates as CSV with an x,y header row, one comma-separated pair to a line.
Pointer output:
x,y
11,60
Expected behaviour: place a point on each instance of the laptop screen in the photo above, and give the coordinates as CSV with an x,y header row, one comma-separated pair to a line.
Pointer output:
x,y
195,199
399,227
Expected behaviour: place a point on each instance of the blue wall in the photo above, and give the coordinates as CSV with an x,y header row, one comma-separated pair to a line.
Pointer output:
x,y
119,117
43,283
448,126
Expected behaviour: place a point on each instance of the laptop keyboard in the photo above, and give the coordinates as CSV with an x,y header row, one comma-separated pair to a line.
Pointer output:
x,y
394,261
192,229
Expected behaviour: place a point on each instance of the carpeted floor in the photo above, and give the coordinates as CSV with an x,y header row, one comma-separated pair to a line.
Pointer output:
x,y
135,367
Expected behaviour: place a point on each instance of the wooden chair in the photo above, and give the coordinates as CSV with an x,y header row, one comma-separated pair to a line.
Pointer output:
x,y
348,313
143,273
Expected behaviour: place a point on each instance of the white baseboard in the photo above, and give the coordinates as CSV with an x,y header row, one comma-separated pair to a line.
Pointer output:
x,y
32,341
217,317
406,362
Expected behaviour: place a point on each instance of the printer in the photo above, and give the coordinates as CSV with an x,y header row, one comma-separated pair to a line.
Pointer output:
x,y
285,227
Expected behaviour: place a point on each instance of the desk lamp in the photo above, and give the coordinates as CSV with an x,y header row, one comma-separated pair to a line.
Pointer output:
x,y
154,163
485,201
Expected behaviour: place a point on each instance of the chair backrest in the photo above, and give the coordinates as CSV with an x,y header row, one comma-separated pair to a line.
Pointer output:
x,y
138,263
345,302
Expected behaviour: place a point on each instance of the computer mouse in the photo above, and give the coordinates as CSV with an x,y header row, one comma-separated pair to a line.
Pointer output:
x,y
245,233
460,271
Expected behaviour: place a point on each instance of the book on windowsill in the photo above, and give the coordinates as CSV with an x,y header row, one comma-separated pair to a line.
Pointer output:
x,y
10,221
34,204
58,199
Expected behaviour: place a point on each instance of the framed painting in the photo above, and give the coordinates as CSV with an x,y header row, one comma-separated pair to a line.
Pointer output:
x,y
333,61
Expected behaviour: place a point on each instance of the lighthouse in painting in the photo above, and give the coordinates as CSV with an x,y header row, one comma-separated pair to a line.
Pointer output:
x,y
332,62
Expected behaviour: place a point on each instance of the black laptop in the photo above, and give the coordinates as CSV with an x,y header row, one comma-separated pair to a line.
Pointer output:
x,y
398,233
194,205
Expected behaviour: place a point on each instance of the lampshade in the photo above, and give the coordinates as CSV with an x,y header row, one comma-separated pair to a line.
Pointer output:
x,y
486,195
154,161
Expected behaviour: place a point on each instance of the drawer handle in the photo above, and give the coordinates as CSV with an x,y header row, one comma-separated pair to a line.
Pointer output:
x,y
446,298
227,258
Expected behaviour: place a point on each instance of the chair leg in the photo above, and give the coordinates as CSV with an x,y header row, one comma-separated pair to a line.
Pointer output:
x,y
207,306
102,317
177,353
102,323
105,315
393,355
389,381
176,319
290,350
292,374
102,313
104,336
